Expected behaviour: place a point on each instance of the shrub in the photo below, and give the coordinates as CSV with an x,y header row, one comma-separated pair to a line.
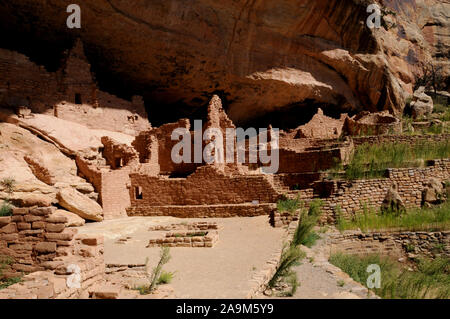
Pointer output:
x,y
303,234
5,209
315,208
305,226
310,239
8,184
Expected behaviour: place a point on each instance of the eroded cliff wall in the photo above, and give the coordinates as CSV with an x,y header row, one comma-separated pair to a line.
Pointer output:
x,y
260,55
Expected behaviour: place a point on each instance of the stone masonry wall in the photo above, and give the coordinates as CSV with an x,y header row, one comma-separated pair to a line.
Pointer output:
x,y
69,93
206,186
382,139
396,244
203,211
351,196
112,186
40,244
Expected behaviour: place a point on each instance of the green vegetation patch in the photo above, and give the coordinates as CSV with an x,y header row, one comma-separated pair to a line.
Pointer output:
x,y
372,161
429,280
432,219
6,282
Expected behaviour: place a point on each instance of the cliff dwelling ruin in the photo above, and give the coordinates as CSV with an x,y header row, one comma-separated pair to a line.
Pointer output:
x,y
216,132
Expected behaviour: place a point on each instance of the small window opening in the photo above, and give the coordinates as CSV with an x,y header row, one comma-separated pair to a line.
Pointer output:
x,y
138,192
78,98
119,162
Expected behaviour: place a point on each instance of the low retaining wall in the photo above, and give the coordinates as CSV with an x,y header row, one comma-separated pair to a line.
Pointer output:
x,y
382,139
278,219
202,211
388,243
351,196
186,239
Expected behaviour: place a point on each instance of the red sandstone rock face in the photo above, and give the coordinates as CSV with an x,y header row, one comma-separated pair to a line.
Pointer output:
x,y
263,55
418,33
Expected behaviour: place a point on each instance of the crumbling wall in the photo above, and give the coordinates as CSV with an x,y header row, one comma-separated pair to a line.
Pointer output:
x,y
203,211
367,123
112,186
207,186
70,93
155,146
118,155
26,84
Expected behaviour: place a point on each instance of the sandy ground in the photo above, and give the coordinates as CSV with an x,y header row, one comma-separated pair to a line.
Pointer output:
x,y
224,271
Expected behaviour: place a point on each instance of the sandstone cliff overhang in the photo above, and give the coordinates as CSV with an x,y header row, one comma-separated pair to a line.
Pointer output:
x,y
260,55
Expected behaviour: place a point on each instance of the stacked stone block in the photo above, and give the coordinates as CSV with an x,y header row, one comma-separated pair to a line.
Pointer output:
x,y
389,243
186,239
48,254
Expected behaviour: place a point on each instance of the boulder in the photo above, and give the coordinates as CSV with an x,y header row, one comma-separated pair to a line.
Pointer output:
x,y
79,204
393,203
73,220
422,104
433,192
31,199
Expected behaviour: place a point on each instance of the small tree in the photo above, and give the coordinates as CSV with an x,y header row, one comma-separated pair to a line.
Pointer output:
x,y
155,276
432,77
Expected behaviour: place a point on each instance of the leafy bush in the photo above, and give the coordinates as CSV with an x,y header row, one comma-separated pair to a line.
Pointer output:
x,y
315,208
311,239
303,234
5,209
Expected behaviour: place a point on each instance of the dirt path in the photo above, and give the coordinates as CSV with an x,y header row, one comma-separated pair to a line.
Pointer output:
x,y
318,279
224,271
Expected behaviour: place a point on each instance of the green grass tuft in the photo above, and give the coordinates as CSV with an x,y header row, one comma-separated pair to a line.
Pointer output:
x,y
372,161
432,219
431,279
165,278
288,205
5,209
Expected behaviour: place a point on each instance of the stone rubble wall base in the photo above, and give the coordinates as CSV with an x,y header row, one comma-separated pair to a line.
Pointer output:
x,y
389,243
351,196
278,219
202,211
53,255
